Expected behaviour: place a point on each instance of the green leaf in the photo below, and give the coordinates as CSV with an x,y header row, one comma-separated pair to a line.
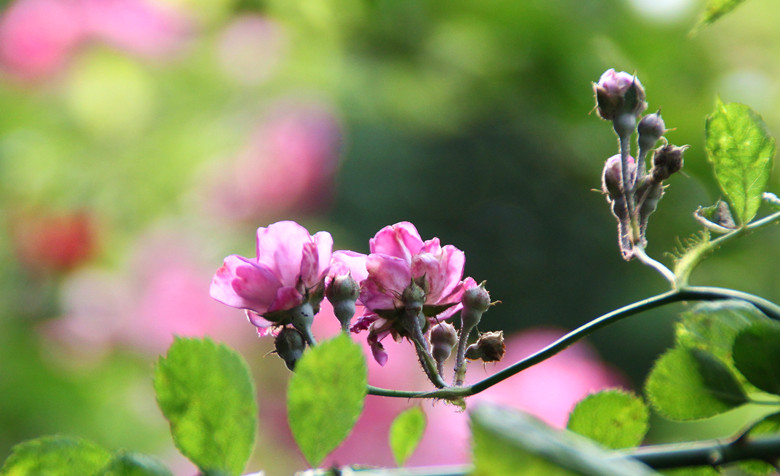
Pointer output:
x,y
613,418
714,10
692,471
405,433
325,396
741,151
713,326
134,464
757,355
689,384
206,393
55,456
768,426
506,440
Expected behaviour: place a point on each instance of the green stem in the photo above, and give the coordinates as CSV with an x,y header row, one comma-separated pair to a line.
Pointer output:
x,y
696,254
639,253
699,293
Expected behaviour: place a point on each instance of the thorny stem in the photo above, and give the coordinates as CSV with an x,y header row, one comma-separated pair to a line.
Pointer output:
x,y
694,293
460,356
427,362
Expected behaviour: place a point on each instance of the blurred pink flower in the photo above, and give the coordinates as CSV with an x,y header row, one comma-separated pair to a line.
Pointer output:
x,y
158,294
287,166
250,48
37,36
290,263
137,26
399,255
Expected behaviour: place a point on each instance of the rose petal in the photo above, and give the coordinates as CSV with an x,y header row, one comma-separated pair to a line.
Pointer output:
x,y
400,240
344,262
243,284
286,298
444,273
280,248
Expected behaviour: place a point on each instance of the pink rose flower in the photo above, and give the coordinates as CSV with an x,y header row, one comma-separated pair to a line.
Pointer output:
x,y
399,258
290,264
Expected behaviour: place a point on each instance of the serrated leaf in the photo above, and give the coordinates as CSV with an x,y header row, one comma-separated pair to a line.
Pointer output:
x,y
325,396
713,326
207,394
769,425
406,432
134,464
714,10
613,418
55,456
757,355
690,384
506,441
741,151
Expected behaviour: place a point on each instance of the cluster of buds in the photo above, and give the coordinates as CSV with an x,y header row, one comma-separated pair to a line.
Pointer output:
x,y
633,192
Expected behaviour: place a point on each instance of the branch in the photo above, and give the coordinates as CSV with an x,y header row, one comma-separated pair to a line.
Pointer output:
x,y
698,293
678,455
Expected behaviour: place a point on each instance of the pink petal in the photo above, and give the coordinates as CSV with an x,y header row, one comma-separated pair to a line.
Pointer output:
x,y
280,248
344,262
264,327
286,298
388,276
243,284
324,243
375,297
444,273
400,240
309,271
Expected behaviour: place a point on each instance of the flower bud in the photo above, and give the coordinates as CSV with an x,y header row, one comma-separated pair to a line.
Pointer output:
x,y
475,300
342,292
443,339
651,128
619,93
413,297
488,348
612,178
648,194
289,345
666,161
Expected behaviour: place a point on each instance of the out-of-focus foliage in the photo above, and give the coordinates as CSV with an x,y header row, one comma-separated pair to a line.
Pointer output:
x,y
141,142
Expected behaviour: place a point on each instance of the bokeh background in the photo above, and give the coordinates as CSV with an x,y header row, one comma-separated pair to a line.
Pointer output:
x,y
141,141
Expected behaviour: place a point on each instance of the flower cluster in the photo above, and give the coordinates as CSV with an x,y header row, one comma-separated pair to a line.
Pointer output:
x,y
633,192
404,287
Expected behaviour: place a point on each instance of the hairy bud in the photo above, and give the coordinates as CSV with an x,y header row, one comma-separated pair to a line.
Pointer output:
x,y
666,161
488,348
289,345
619,93
443,339
651,128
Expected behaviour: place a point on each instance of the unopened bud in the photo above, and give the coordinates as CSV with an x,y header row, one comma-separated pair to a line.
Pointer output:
x,y
651,128
475,300
289,345
489,347
443,339
342,292
648,193
666,161
413,297
619,93
612,177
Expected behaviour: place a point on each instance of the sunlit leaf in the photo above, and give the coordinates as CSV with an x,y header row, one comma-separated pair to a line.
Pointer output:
x,y
692,471
713,326
325,396
688,384
757,355
768,426
506,441
405,433
55,456
134,464
741,151
613,418
714,10
206,393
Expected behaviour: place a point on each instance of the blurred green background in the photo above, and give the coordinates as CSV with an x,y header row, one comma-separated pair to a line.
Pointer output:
x,y
140,143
